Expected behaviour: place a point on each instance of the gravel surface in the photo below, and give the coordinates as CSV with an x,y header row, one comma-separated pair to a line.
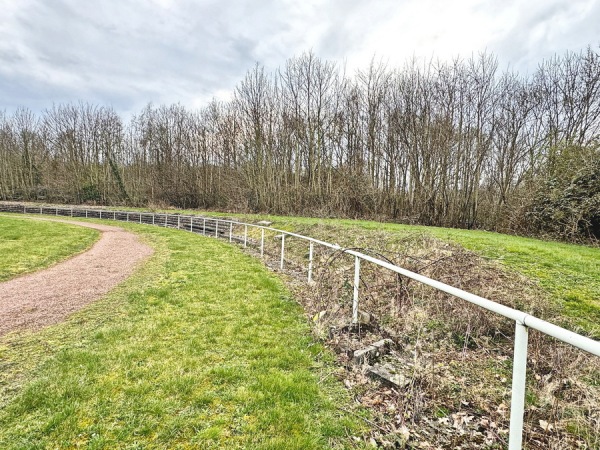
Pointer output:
x,y
49,296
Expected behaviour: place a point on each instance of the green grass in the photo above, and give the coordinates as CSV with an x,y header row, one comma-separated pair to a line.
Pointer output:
x,y
569,273
29,245
201,348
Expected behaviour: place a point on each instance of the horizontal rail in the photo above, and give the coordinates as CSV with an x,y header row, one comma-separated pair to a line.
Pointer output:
x,y
219,227
562,334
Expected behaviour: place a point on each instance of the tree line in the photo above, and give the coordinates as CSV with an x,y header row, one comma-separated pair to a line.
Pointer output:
x,y
456,144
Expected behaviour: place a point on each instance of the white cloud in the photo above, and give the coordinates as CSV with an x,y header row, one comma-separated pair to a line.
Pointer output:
x,y
129,52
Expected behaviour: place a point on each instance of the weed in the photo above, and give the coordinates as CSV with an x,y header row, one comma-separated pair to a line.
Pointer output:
x,y
456,356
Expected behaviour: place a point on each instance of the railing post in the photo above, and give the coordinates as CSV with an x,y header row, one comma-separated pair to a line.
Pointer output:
x,y
262,242
191,224
230,231
153,218
204,226
140,217
216,228
86,213
310,261
282,250
114,215
245,235
166,220
517,401
356,285
178,222
101,214
127,217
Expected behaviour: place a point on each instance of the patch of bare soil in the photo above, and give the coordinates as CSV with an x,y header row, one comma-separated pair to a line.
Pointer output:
x,y
49,296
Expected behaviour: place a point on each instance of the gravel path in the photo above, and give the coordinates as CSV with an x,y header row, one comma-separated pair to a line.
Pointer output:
x,y
49,296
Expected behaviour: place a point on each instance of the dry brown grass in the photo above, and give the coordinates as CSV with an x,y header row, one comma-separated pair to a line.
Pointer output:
x,y
456,356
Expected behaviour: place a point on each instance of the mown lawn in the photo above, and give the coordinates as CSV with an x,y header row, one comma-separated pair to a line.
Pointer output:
x,y
201,348
569,273
26,246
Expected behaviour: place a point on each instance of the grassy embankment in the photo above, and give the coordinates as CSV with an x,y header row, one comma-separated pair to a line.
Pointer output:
x,y
569,273
35,244
201,348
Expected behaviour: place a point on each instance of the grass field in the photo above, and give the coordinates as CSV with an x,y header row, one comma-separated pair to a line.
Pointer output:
x,y
97,410
29,245
569,273
201,348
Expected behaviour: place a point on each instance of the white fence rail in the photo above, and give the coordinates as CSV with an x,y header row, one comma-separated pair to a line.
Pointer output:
x,y
225,228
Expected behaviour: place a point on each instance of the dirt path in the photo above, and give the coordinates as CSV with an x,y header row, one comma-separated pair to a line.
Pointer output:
x,y
49,296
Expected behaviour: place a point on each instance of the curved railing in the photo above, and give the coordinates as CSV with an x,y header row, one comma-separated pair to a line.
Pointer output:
x,y
230,229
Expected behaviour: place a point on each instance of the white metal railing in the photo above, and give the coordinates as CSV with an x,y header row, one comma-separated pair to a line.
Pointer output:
x,y
225,228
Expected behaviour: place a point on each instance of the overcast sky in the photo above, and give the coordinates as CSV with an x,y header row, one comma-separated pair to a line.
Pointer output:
x,y
126,53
